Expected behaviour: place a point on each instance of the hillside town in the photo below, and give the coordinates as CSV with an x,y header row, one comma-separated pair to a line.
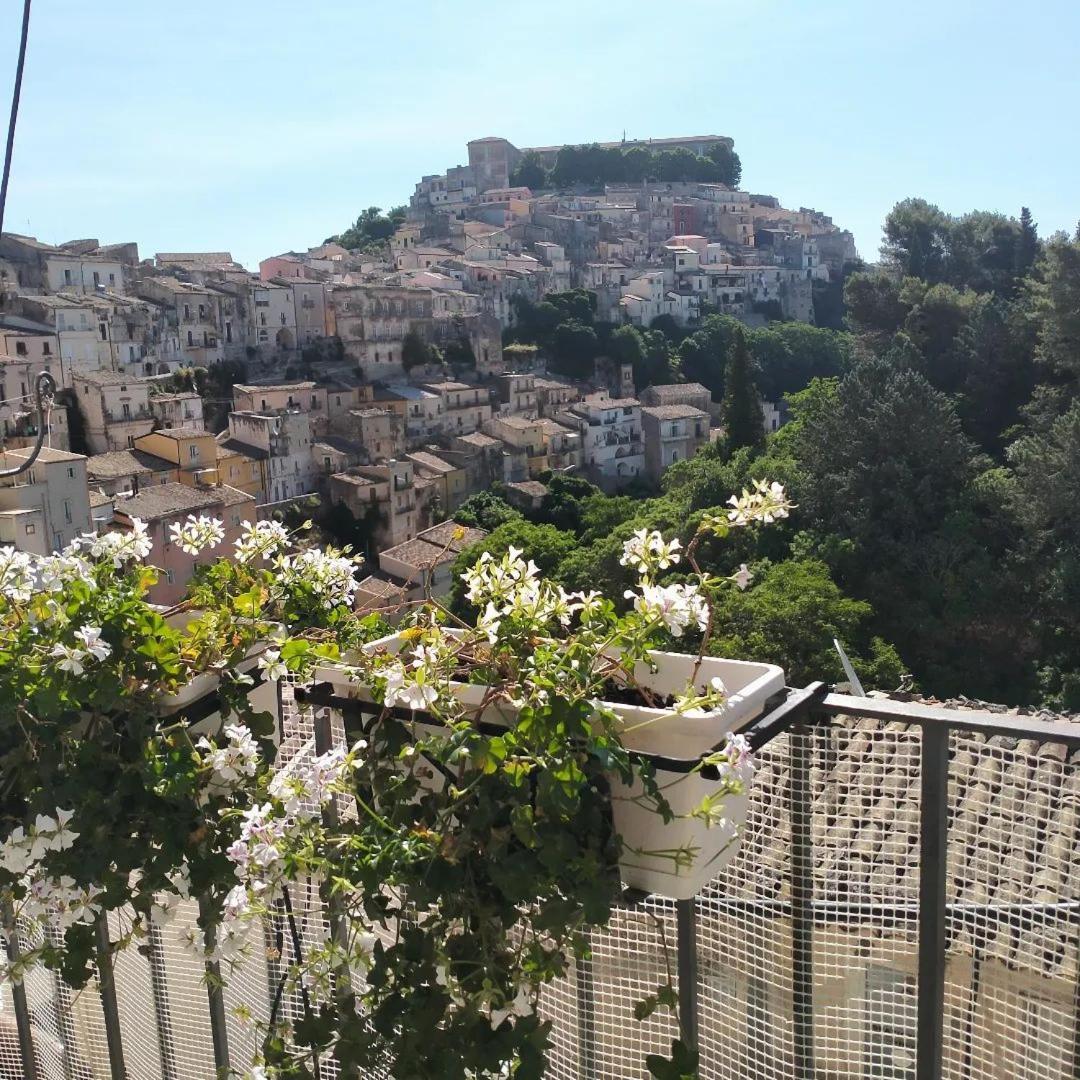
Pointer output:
x,y
376,380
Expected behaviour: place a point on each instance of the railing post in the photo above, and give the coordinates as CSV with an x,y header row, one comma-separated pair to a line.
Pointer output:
x,y
802,901
933,849
109,1007
64,1023
339,930
215,995
586,1005
687,960
18,997
160,988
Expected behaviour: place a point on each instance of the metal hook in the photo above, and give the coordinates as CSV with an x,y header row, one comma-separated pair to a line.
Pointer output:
x,y
44,387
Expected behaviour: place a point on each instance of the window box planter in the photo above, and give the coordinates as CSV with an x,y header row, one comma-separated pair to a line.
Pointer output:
x,y
675,743
197,702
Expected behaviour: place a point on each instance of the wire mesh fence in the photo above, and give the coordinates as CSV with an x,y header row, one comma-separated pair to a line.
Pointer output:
x,y
821,951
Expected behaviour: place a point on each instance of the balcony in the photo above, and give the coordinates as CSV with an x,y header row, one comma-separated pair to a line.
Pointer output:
x,y
904,905
136,412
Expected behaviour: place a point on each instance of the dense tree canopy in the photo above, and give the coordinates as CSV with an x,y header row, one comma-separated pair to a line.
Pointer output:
x,y
593,166
371,230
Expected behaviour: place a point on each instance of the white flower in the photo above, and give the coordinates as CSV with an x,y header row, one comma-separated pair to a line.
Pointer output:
x,y
648,552
197,533
676,605
330,577
260,540
766,503
272,666
16,575
118,547
69,659
90,636
413,696
742,577
238,758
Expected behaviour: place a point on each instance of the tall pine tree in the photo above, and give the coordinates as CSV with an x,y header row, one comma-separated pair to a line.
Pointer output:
x,y
741,409
1027,249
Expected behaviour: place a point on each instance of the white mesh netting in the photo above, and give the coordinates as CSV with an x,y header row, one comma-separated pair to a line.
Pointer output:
x,y
1011,997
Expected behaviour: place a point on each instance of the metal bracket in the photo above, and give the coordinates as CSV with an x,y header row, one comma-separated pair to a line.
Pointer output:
x,y
44,389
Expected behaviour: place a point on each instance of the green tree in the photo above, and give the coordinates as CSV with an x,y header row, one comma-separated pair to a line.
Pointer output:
x,y
573,350
728,162
415,352
485,510
1027,249
1046,466
917,240
529,173
790,616
740,411
875,306
371,229
1054,300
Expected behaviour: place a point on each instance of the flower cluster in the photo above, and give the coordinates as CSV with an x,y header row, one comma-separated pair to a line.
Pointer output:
x,y
74,658
117,547
411,685
648,552
511,588
197,533
60,900
260,540
676,606
766,503
25,847
230,763
330,577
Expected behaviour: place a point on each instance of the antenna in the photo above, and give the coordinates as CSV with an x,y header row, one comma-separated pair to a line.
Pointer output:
x,y
856,686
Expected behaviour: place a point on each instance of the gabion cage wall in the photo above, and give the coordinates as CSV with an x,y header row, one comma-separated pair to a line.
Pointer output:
x,y
870,843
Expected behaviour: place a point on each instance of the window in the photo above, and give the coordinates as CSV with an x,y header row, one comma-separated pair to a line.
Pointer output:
x,y
104,331
228,333
46,349
20,348
187,313
131,442
112,279
190,338
67,511
202,312
97,278
71,472
193,452
58,541
67,277
169,576
30,529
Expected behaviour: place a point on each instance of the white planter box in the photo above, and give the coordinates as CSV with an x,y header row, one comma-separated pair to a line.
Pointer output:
x,y
660,734
206,719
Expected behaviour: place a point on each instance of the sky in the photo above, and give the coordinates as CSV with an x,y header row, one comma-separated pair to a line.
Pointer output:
x,y
259,126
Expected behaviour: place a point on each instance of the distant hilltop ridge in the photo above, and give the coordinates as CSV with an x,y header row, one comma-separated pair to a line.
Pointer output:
x,y
493,159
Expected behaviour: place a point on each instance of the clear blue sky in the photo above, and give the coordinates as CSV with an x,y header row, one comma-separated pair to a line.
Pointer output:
x,y
256,127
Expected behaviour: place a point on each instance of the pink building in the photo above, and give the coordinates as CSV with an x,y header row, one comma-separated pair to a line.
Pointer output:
x,y
159,507
285,266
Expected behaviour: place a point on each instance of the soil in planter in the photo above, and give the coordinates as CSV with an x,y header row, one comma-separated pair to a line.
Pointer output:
x,y
632,695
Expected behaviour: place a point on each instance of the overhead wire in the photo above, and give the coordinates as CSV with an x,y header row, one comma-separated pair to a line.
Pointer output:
x,y
15,96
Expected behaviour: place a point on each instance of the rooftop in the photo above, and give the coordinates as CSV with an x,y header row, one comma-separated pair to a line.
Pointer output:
x,y
255,388
431,462
178,434
165,500
673,390
45,454
119,463
674,412
451,535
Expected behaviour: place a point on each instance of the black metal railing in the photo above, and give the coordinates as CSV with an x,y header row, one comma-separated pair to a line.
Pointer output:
x,y
905,904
